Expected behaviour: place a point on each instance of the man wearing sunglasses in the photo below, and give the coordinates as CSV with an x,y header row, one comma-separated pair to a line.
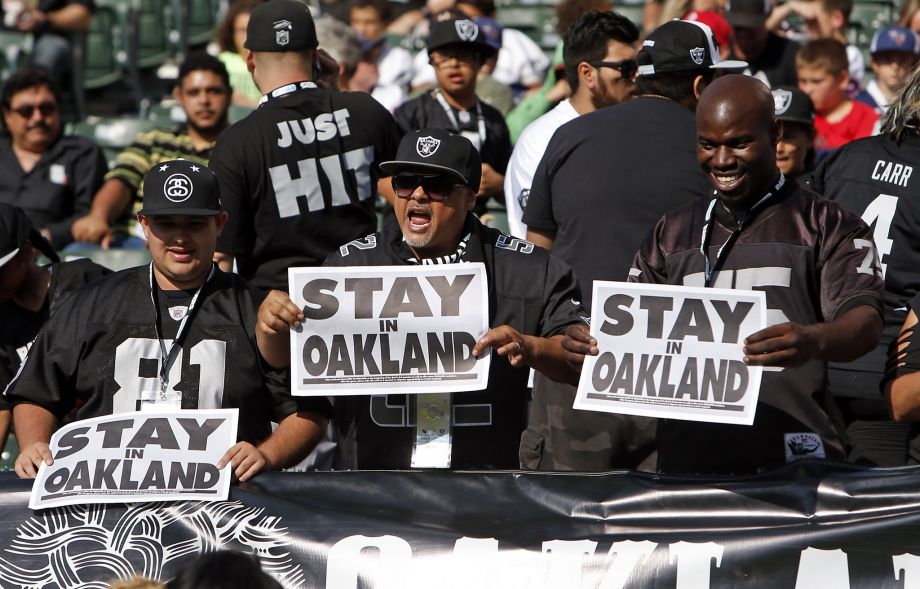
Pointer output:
x,y
533,297
599,56
51,177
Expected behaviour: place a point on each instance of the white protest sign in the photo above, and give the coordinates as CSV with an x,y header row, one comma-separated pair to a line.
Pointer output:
x,y
389,329
138,456
674,352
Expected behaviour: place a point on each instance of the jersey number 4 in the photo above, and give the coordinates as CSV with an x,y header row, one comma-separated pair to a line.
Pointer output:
x,y
879,213
136,391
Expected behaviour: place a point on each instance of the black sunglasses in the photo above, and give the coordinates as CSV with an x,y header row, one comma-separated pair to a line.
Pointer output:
x,y
627,67
27,110
436,187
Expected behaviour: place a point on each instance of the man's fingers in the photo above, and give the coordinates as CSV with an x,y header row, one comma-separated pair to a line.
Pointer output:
x,y
252,471
492,338
767,333
227,458
780,358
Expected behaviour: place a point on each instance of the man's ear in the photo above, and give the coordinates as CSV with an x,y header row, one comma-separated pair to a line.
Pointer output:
x,y
587,75
699,84
469,198
221,220
145,225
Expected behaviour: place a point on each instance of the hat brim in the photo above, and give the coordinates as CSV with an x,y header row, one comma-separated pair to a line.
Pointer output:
x,y
484,48
395,166
798,120
149,212
746,20
6,258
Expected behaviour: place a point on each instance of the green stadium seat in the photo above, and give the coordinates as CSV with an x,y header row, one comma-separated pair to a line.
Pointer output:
x,y
112,135
199,23
150,33
113,259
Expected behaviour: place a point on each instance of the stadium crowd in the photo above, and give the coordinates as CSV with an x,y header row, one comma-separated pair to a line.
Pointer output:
x,y
737,145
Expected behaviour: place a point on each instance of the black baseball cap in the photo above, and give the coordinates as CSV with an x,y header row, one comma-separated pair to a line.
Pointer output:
x,y
750,14
458,32
793,105
681,45
281,25
180,187
15,229
436,151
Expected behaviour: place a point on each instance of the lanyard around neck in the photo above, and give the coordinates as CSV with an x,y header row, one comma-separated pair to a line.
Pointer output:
x,y
710,268
480,119
285,90
167,357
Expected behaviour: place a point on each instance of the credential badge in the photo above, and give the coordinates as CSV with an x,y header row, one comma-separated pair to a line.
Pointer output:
x,y
178,188
282,32
781,101
426,146
467,30
696,54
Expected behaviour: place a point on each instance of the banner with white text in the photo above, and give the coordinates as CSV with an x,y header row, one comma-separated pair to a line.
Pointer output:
x,y
138,457
673,352
392,329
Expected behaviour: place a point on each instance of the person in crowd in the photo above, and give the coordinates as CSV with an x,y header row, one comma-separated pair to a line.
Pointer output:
x,y
298,175
795,150
721,30
92,356
901,385
342,44
52,22
824,298
457,49
595,167
231,38
894,53
435,192
224,569
204,93
873,178
822,71
51,176
771,57
369,19
600,66
488,88
825,19
909,16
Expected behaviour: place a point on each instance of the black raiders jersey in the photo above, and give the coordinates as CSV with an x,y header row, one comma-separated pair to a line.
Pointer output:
x,y
814,261
875,178
529,289
299,178
100,353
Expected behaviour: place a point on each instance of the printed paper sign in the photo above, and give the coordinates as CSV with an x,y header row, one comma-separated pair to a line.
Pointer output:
x,y
389,329
674,352
138,456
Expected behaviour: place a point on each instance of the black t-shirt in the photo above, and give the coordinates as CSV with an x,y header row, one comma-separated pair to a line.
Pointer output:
x,y
807,255
425,112
776,65
873,178
607,177
299,178
100,353
529,289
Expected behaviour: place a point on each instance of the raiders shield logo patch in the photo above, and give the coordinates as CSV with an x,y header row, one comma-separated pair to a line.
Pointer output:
x,y
178,188
467,30
178,312
781,101
282,32
696,54
427,146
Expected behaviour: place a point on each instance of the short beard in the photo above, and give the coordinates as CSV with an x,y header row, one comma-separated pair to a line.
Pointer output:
x,y
600,99
418,242
220,125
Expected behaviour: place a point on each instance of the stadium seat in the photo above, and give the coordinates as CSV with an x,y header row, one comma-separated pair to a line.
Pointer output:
x,y
113,259
13,45
198,20
112,135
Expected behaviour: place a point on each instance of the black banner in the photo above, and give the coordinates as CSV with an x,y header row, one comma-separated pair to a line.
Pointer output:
x,y
811,525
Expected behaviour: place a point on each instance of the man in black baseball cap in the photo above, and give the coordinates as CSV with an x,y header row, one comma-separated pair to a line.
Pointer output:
x,y
532,297
281,25
771,57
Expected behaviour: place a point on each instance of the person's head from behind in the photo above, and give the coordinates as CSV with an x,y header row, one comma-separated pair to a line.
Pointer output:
x,y
231,34
369,18
830,19
748,20
181,219
203,91
225,569
599,55
823,71
737,134
281,39
31,110
902,119
678,60
456,50
342,44
894,54
795,151
436,176
19,242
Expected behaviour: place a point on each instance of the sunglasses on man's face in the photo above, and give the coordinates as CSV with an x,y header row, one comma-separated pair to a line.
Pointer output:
x,y
627,67
436,187
27,110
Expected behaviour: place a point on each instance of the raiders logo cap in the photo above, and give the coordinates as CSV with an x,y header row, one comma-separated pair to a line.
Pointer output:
x,y
751,14
899,39
682,45
793,105
436,151
281,25
457,32
180,187
15,229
